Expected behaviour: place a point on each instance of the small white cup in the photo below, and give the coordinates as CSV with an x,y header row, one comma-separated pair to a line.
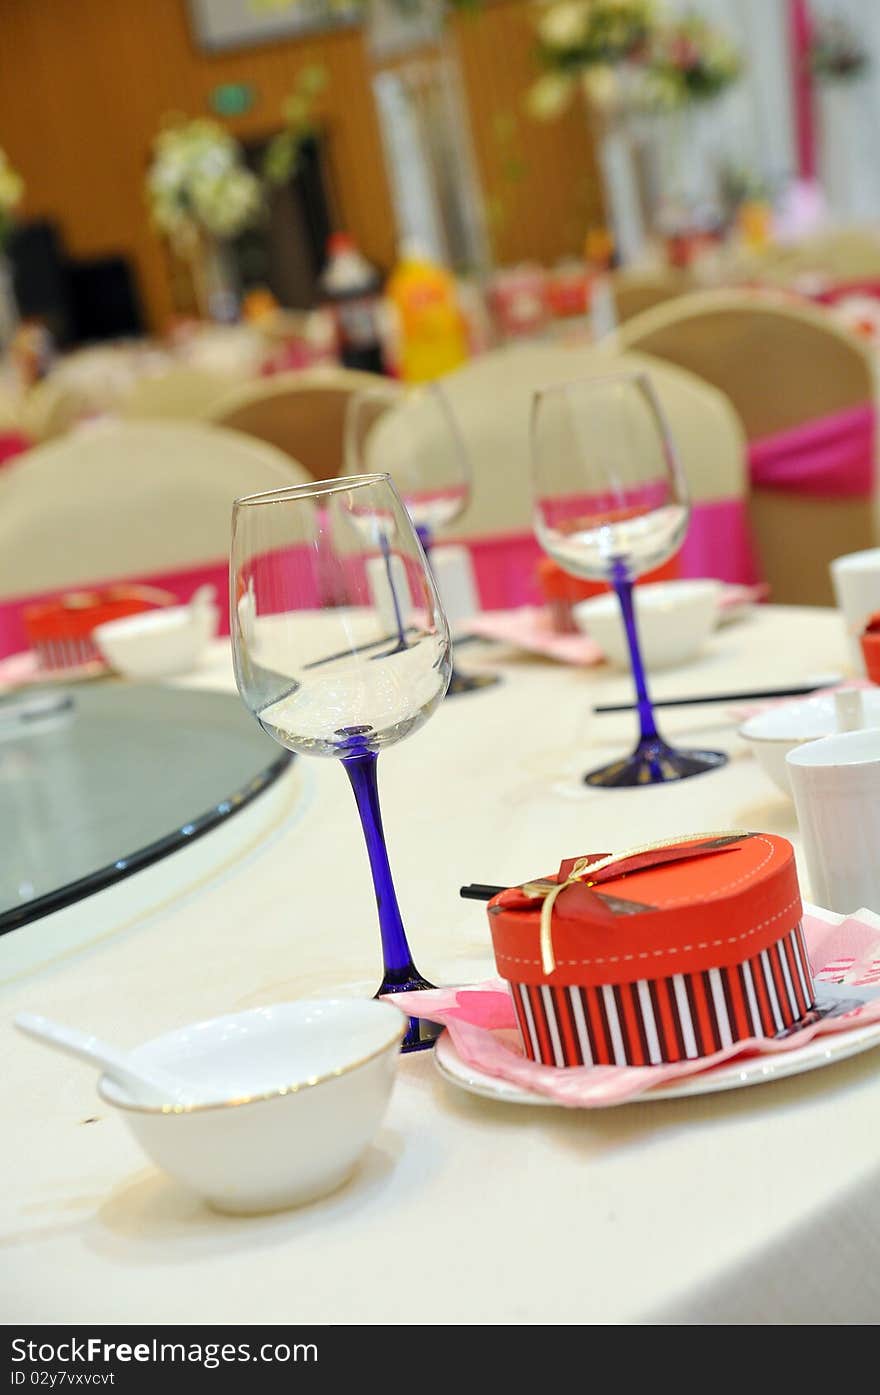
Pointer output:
x,y
856,581
454,575
836,787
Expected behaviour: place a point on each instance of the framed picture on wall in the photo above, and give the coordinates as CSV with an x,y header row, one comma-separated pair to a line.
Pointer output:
x,y
222,24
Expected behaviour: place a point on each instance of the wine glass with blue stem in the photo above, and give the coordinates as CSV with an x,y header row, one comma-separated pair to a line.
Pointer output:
x,y
317,663
413,434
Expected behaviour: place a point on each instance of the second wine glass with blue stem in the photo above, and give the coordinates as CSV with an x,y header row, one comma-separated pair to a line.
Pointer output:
x,y
611,502
414,434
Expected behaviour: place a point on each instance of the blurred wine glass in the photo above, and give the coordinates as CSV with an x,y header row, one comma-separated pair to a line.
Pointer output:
x,y
316,663
413,435
611,503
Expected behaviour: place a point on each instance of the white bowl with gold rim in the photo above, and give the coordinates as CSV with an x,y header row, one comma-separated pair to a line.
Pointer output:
x,y
284,1100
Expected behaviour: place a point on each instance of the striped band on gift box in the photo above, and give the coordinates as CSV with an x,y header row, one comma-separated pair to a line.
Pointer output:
x,y
666,1019
73,652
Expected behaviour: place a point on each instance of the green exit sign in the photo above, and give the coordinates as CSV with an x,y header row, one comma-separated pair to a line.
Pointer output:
x,y
233,98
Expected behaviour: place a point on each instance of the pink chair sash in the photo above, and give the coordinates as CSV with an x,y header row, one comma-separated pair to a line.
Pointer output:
x,y
12,444
829,458
869,289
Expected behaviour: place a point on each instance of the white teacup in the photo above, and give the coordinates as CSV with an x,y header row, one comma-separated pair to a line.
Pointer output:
x,y
675,618
836,787
856,581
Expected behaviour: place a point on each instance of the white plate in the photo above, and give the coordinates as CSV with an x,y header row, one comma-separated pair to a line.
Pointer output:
x,y
821,1051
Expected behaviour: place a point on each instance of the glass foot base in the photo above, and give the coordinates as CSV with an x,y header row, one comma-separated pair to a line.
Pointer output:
x,y
654,763
470,682
420,1034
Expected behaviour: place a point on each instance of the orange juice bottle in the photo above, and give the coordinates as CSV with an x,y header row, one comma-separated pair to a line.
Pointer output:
x,y
430,328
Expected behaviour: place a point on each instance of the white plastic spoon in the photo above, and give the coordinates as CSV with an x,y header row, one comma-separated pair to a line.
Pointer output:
x,y
203,598
144,1086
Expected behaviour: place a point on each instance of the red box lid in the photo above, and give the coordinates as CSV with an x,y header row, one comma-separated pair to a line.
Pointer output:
x,y
712,901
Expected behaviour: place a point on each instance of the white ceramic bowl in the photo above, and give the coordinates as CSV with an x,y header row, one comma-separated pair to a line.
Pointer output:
x,y
772,734
675,618
157,643
286,1100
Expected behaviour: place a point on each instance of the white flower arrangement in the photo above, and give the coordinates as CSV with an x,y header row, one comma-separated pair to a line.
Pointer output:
x,y
198,184
627,55
11,194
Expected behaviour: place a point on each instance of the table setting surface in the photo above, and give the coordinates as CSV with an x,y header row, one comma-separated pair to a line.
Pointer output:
x,y
452,1185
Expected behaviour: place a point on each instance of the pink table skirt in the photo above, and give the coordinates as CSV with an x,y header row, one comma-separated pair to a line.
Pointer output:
x,y
505,569
718,544
181,584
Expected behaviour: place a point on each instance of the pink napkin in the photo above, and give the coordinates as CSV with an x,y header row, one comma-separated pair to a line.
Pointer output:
x,y
736,594
18,669
483,1028
529,628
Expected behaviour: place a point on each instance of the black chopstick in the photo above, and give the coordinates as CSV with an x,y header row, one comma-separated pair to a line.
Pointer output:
x,y
358,649
385,639
802,690
480,891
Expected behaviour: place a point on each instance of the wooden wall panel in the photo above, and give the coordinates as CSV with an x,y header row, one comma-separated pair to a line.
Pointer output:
x,y
84,85
539,178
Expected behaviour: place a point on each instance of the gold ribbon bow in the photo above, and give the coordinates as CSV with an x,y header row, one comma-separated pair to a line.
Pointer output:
x,y
584,871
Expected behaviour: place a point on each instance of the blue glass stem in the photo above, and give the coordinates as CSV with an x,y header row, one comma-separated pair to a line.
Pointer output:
x,y
400,973
624,588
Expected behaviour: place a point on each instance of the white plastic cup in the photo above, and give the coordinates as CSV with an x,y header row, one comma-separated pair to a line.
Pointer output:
x,y
836,787
856,582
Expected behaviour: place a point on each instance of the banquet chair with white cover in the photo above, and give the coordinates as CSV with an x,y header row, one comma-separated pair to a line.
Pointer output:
x,y
53,407
839,254
491,398
181,391
634,291
804,389
149,502
83,384
301,413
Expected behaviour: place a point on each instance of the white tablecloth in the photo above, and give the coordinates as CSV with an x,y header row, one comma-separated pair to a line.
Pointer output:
x,y
760,1204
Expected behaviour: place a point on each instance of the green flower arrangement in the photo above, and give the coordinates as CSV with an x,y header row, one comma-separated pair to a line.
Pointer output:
x,y
281,159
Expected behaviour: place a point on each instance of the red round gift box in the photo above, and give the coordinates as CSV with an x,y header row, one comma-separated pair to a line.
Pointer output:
x,y
665,962
60,631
